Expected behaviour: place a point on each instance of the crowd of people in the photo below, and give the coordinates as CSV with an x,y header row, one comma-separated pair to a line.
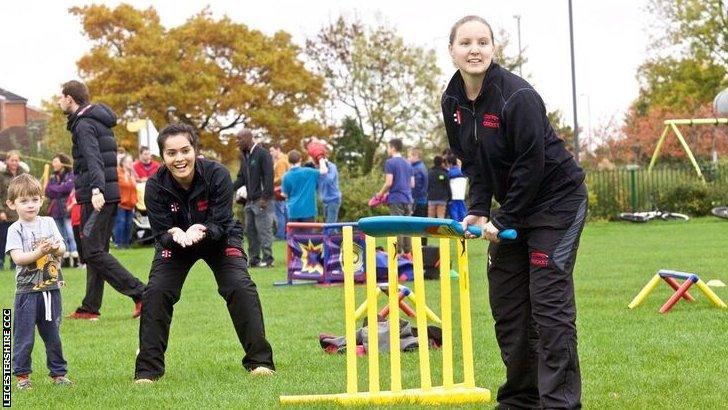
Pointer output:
x,y
500,143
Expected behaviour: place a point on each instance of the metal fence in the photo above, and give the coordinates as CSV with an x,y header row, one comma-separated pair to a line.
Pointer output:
x,y
633,188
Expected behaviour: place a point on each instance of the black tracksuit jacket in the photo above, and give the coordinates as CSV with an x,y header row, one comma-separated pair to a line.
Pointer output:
x,y
94,152
208,202
256,173
508,148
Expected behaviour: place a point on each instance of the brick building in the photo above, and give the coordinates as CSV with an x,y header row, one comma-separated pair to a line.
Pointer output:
x,y
20,124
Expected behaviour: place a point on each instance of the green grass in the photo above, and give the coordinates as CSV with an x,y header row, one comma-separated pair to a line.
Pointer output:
x,y
629,359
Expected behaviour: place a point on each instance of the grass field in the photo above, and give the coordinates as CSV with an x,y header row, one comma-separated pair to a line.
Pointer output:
x,y
629,359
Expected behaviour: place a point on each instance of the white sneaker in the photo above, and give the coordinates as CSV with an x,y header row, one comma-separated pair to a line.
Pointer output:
x,y
262,371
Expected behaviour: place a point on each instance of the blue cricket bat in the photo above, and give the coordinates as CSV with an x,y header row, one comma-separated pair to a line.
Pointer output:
x,y
419,226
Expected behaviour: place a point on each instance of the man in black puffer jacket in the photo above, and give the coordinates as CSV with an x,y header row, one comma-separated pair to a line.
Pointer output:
x,y
97,190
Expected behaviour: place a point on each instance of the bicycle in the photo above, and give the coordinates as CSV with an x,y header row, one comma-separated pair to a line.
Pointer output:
x,y
650,215
720,212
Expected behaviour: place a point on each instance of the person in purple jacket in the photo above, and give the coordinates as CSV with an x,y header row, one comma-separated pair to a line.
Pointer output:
x,y
60,185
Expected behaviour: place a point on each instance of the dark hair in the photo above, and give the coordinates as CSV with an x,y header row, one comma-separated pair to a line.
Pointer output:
x,y
294,156
467,19
178,129
396,143
65,161
446,152
143,148
76,90
276,145
452,159
437,161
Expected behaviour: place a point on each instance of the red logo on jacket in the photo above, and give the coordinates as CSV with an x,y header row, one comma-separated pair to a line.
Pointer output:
x,y
491,121
456,116
202,205
539,259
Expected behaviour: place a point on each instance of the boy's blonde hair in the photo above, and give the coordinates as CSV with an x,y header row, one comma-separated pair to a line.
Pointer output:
x,y
24,185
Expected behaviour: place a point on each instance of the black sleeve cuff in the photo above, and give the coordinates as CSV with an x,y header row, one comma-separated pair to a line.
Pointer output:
x,y
503,222
479,212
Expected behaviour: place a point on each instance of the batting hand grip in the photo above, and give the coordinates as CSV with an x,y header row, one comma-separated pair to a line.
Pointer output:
x,y
509,234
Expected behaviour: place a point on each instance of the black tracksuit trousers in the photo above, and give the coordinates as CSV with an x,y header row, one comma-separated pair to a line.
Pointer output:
x,y
532,299
168,273
101,266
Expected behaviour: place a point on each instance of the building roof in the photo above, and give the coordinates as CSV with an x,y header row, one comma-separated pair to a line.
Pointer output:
x,y
8,96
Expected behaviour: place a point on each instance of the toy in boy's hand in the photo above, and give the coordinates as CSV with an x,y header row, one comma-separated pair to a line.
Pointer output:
x,y
48,246
378,200
316,150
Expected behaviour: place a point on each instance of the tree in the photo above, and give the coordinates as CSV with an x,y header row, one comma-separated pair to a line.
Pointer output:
x,y
674,84
685,72
697,28
218,74
348,147
388,87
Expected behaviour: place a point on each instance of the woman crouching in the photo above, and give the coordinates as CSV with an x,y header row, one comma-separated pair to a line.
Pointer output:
x,y
189,203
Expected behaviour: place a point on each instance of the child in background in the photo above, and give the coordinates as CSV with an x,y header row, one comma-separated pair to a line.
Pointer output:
x,y
438,188
36,246
458,187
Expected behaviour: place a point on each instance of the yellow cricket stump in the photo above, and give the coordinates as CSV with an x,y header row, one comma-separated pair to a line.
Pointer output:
x,y
457,394
426,394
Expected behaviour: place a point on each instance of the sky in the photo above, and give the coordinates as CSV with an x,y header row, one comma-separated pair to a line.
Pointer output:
x,y
40,41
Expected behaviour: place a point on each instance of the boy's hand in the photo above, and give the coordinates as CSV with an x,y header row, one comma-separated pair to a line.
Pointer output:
x,y
45,247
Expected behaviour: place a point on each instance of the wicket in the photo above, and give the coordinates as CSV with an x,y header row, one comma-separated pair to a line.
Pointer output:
x,y
448,392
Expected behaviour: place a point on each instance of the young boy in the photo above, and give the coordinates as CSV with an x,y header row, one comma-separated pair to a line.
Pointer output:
x,y
458,188
36,246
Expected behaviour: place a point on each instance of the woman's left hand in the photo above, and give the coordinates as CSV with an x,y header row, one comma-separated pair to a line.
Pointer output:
x,y
196,233
491,232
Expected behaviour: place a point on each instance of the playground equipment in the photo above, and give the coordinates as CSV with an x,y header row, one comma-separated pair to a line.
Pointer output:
x,y
314,253
448,392
402,292
672,125
681,290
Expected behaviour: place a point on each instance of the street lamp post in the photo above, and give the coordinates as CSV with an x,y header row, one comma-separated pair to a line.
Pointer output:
x,y
573,85
520,50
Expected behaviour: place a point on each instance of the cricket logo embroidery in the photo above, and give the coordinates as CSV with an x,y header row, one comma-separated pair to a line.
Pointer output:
x,y
166,253
539,259
491,121
174,207
456,116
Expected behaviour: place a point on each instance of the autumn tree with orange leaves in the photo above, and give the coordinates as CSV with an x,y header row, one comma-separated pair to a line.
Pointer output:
x,y
219,75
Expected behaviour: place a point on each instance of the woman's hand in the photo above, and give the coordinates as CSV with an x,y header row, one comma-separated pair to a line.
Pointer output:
x,y
179,236
476,220
490,232
196,233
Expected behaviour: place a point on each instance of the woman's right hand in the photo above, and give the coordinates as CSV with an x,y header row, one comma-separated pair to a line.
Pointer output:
x,y
179,236
476,220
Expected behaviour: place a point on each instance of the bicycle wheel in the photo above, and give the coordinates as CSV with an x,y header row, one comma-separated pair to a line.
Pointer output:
x,y
674,216
720,212
633,217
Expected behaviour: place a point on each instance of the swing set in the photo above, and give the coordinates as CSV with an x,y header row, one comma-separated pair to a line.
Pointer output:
x,y
673,125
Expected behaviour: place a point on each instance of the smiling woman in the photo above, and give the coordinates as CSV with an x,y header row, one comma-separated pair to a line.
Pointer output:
x,y
497,126
189,203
